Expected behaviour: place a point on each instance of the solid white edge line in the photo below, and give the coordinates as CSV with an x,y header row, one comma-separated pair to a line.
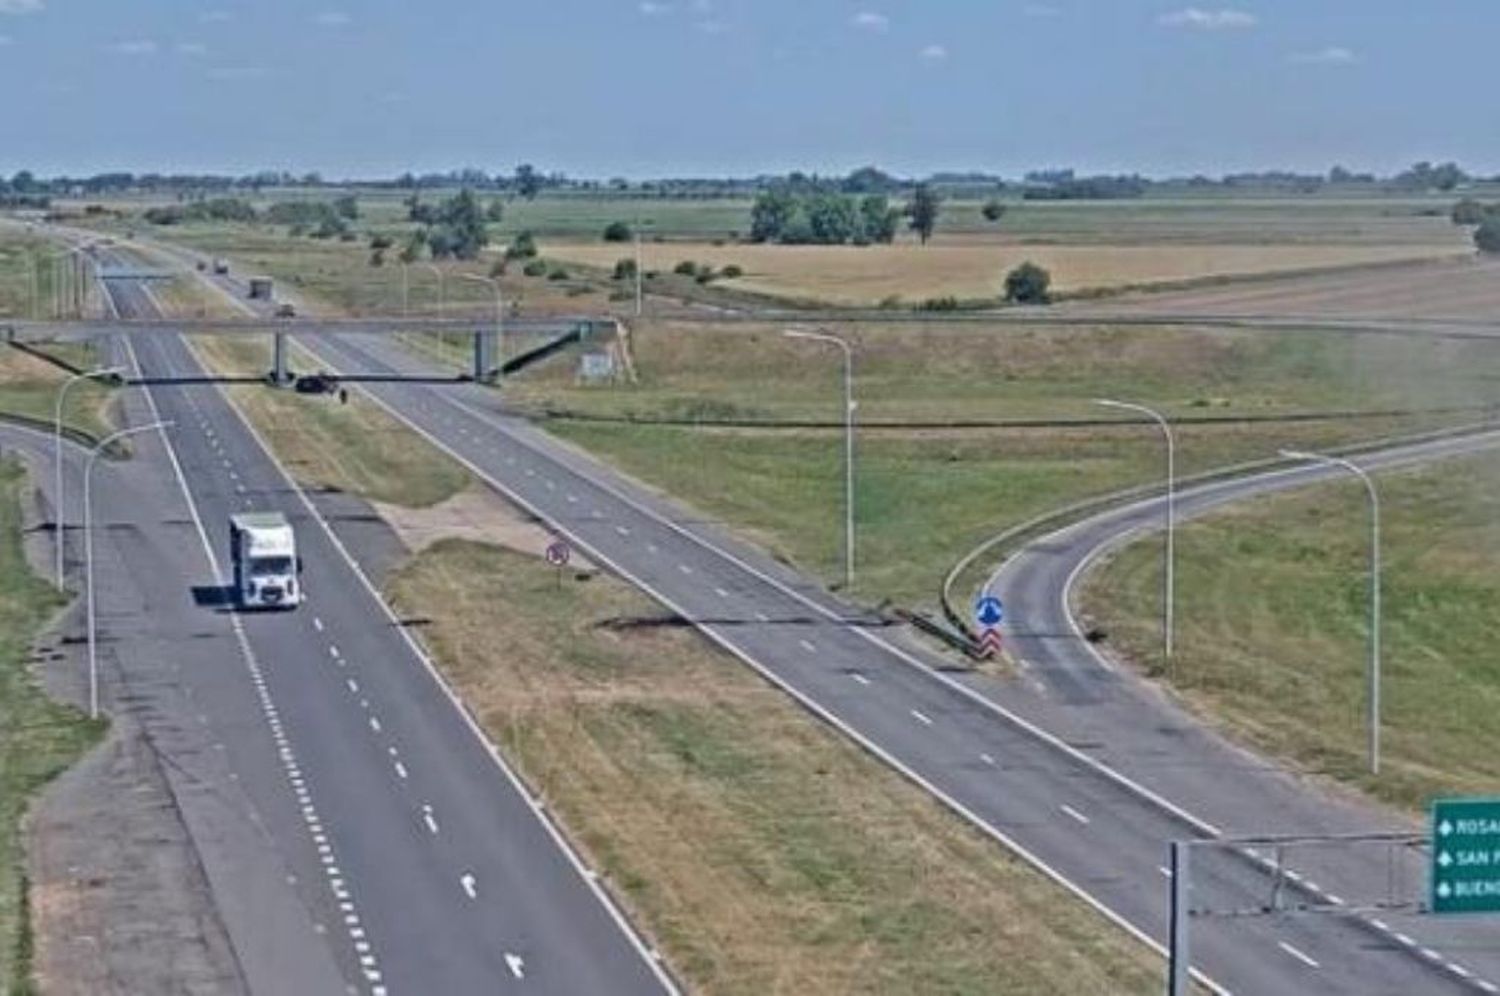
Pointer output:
x,y
807,703
590,879
1301,956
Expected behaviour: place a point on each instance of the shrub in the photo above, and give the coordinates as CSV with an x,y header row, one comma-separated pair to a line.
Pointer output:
x,y
377,257
523,246
1027,284
534,268
499,266
890,302
617,231
557,273
1487,235
624,269
1470,212
732,271
705,274
687,268
380,242
993,210
948,303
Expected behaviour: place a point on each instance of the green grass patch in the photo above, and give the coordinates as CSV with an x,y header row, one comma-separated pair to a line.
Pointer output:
x,y
762,851
1275,648
39,738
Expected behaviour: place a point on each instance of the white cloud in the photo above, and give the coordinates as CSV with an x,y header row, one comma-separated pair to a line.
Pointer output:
x,y
869,20
1224,19
332,19
934,53
1333,55
191,48
20,6
653,9
215,16
135,46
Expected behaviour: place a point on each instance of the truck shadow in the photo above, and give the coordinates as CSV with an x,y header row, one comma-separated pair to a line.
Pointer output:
x,y
213,596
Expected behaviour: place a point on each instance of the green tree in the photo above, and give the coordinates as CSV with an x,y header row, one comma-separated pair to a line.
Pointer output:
x,y
1027,284
617,231
877,219
769,216
832,218
494,212
922,211
461,230
528,181
347,207
993,210
1487,235
523,246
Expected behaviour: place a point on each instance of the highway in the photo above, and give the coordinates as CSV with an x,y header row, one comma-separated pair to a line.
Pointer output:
x,y
1079,692
1097,833
420,862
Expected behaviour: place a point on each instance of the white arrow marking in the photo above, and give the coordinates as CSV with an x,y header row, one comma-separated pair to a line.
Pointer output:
x,y
467,881
517,965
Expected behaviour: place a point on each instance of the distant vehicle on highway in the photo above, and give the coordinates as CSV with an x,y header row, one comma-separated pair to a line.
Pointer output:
x,y
318,383
221,266
286,310
263,549
202,266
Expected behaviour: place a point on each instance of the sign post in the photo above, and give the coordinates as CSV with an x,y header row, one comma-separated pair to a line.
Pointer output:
x,y
558,555
1466,856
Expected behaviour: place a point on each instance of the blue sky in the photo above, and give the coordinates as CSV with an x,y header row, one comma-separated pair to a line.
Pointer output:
x,y
705,87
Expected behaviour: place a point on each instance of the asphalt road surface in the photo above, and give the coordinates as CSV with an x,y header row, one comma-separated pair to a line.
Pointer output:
x,y
420,863
1078,692
1101,835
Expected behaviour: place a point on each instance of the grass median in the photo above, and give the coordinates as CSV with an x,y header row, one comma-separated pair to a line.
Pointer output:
x,y
764,851
1274,649
38,737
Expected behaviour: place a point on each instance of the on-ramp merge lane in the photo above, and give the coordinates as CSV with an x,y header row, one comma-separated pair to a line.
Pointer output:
x,y
1100,837
431,866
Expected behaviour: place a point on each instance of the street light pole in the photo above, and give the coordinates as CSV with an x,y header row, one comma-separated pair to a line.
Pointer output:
x,y
437,271
638,276
1169,572
57,416
1372,675
848,441
88,552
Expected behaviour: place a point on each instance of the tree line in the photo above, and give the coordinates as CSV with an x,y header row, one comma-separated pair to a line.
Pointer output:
x,y
793,215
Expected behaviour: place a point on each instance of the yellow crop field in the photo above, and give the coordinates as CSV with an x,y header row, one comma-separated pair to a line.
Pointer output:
x,y
975,269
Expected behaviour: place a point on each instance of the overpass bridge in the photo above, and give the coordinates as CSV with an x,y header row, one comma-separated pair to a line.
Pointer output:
x,y
564,329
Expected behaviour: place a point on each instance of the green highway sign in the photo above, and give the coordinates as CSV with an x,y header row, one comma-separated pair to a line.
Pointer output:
x,y
1466,856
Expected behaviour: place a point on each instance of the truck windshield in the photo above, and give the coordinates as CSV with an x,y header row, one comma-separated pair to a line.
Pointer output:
x,y
262,567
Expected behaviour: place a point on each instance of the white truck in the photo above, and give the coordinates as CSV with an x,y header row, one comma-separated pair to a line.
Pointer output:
x,y
263,549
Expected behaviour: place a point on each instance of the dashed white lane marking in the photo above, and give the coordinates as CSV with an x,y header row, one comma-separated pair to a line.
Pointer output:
x,y
1335,900
1075,814
550,486
721,593
1487,986
684,568
471,887
516,964
987,759
921,718
1404,939
762,617
807,645
650,547
400,770
1301,956
317,624
622,530
860,678
1167,872
333,651
1431,955
374,724
429,819
530,472
353,685
571,498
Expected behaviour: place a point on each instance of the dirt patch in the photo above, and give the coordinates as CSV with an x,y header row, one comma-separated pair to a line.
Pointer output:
x,y
477,515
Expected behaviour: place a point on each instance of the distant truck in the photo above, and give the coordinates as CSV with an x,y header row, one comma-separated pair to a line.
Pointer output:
x,y
221,266
260,288
263,549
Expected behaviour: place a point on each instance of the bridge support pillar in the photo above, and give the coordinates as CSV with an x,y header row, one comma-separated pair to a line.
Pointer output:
x,y
484,357
280,377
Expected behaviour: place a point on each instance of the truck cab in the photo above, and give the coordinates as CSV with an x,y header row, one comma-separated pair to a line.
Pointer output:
x,y
263,550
